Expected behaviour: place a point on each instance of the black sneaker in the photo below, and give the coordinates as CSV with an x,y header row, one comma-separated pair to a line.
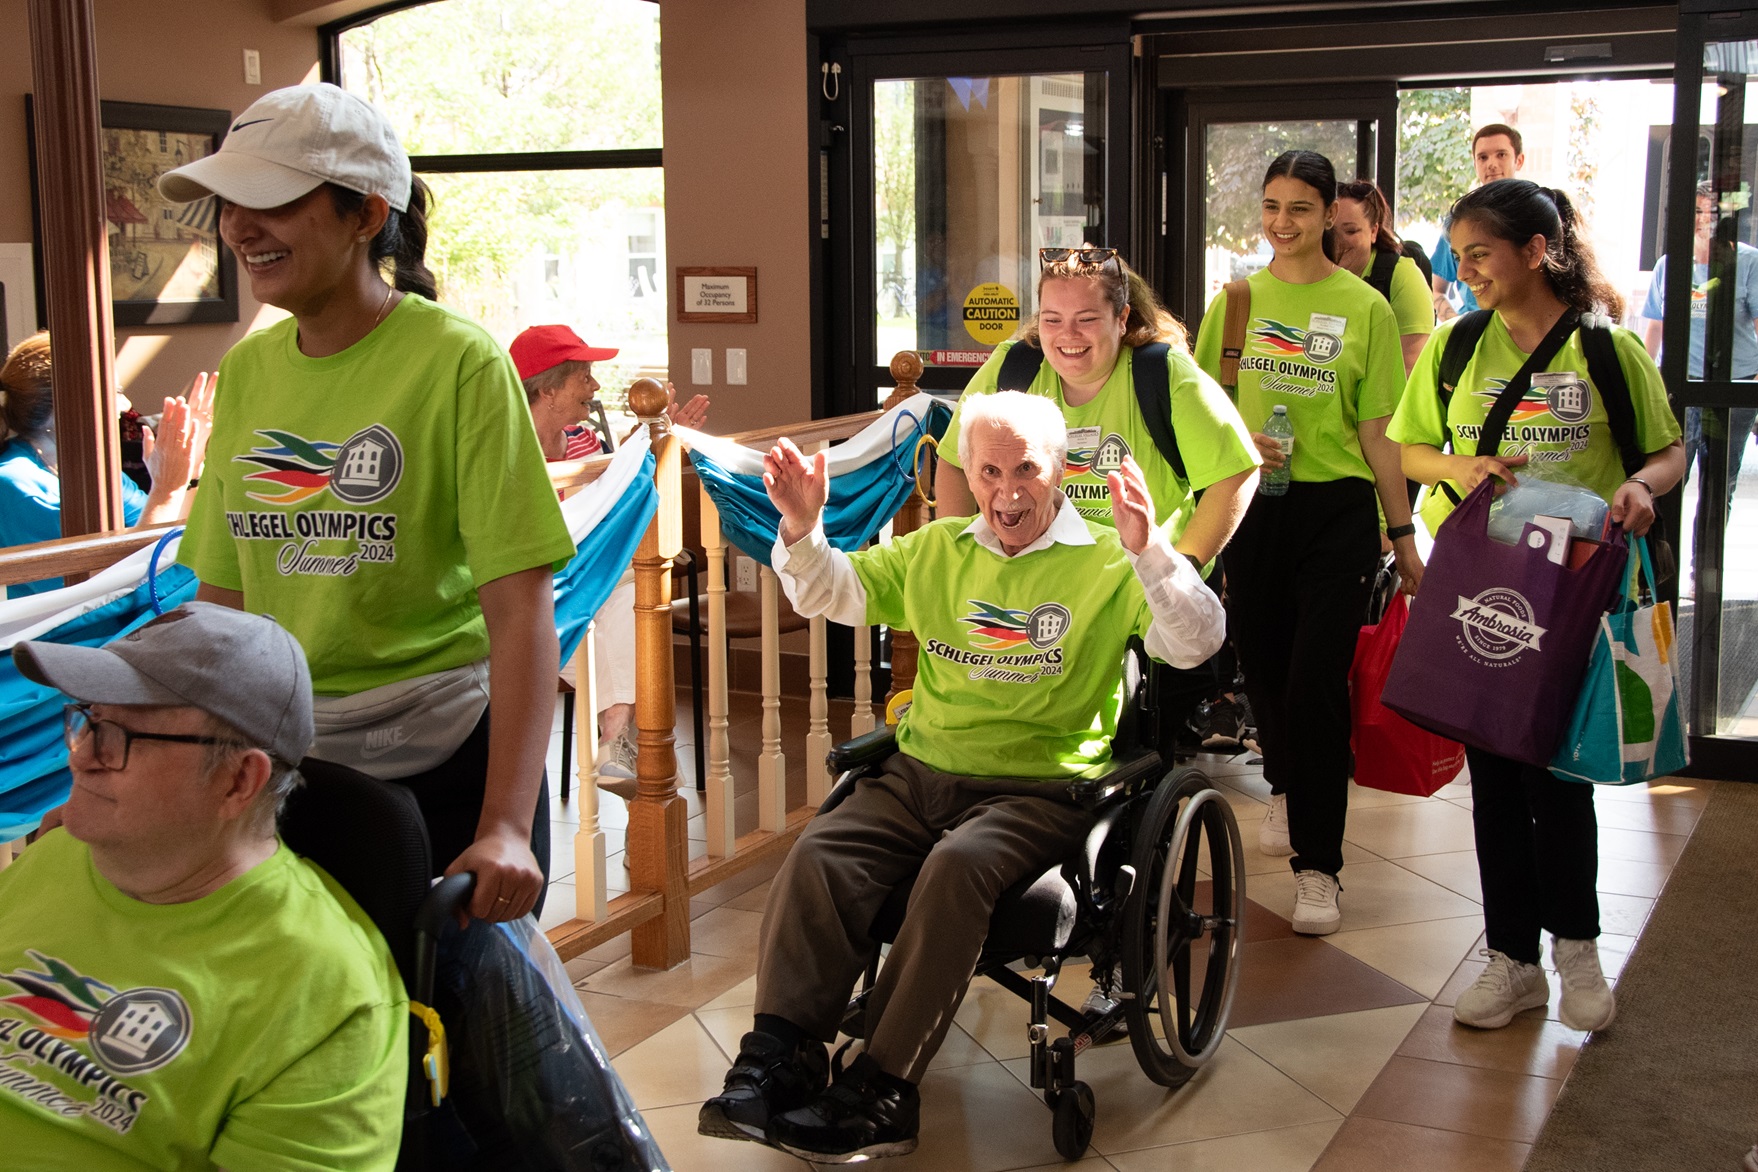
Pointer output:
x,y
764,1081
864,1115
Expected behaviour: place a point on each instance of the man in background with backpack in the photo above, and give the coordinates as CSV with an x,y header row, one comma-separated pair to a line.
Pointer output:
x,y
1496,153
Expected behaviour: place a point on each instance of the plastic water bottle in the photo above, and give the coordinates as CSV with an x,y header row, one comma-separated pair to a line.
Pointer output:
x,y
1274,481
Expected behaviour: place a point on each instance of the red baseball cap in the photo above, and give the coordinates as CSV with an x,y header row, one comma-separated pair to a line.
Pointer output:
x,y
542,347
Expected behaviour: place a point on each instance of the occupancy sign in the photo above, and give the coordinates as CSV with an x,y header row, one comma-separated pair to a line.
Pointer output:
x,y
991,313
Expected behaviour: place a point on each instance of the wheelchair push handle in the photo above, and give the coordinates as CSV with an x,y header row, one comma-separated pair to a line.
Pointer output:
x,y
443,902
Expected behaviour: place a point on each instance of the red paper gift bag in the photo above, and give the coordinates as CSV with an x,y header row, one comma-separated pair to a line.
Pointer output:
x,y
1391,753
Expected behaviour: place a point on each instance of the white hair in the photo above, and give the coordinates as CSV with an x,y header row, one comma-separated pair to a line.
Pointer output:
x,y
1033,417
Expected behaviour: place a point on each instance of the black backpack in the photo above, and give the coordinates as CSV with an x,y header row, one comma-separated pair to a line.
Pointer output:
x,y
1153,391
1384,263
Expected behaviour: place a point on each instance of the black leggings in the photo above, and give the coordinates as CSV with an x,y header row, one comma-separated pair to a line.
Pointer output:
x,y
1537,854
1299,571
450,796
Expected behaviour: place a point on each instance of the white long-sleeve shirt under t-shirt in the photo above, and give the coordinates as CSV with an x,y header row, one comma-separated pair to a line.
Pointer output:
x,y
1189,624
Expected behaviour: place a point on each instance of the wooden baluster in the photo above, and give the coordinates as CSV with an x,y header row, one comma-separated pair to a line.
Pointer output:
x,y
862,721
771,763
818,738
658,843
719,789
590,873
5,855
906,368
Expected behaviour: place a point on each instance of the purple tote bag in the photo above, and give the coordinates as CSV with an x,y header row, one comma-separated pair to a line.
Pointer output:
x,y
1500,636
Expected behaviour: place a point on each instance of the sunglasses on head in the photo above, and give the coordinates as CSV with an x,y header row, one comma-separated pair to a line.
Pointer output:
x,y
1076,257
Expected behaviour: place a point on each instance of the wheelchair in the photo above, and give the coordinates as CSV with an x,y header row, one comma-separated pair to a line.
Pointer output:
x,y
1156,898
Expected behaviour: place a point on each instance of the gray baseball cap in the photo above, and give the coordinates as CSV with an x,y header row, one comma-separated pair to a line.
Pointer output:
x,y
244,668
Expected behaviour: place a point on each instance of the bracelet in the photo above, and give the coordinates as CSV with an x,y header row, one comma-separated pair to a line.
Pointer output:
x,y
1393,532
1638,480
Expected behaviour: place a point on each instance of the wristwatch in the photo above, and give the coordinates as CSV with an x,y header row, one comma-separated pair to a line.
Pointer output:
x,y
1393,532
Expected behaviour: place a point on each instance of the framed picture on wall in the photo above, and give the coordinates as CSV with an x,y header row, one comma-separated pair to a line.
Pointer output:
x,y
167,265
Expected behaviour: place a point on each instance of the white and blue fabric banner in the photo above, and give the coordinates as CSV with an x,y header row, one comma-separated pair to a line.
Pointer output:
x,y
871,475
607,519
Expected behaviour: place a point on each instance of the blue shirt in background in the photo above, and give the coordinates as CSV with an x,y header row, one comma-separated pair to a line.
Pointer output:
x,y
30,506
1745,363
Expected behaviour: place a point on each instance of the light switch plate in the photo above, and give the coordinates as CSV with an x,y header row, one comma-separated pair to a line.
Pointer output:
x,y
701,367
252,67
735,367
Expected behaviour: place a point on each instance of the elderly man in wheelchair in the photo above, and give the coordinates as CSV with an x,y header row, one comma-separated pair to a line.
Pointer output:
x,y
1003,767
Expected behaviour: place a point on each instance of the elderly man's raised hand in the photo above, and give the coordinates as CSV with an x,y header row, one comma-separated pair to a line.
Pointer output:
x,y
1132,509
798,486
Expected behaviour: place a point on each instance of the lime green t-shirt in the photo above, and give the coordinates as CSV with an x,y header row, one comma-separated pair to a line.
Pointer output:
x,y
260,1027
1211,437
1412,300
1327,351
1021,658
1560,424
362,498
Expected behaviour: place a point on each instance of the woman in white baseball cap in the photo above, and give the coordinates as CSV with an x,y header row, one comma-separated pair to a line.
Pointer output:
x,y
376,484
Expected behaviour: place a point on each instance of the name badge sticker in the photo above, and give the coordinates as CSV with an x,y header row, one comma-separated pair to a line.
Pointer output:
x,y
1084,439
1327,323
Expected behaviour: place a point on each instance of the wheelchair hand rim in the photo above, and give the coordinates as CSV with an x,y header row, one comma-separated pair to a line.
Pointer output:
x,y
1169,1008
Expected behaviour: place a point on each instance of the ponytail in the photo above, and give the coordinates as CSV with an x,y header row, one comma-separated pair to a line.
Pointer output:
x,y
402,240
1516,210
1368,194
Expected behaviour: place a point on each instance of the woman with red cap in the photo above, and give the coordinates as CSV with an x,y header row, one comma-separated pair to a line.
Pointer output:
x,y
377,487
555,365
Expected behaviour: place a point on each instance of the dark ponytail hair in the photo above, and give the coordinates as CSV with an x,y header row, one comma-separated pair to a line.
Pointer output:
x,y
1516,210
1314,170
403,239
1368,194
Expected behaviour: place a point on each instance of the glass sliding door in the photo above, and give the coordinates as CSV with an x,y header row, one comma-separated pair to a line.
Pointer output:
x,y
962,168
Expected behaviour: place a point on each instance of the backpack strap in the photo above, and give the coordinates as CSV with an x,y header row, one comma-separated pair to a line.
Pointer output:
x,y
1019,367
1233,331
1608,378
1456,355
1153,395
1495,424
1380,275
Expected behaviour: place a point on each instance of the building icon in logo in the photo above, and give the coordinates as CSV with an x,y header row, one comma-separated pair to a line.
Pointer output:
x,y
368,466
1047,623
1569,402
1320,347
140,1030
1109,456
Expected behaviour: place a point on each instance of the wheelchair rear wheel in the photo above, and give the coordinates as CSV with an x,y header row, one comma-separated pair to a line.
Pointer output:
x,y
1181,927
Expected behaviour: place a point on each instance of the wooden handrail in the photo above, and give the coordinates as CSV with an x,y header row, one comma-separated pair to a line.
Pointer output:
x,y
74,555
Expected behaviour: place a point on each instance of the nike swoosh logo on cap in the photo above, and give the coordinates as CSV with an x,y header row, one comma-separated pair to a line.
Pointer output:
x,y
252,122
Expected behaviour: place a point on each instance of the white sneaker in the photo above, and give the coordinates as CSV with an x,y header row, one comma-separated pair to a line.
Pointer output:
x,y
1272,832
1097,1003
616,757
1315,903
1587,1002
1505,988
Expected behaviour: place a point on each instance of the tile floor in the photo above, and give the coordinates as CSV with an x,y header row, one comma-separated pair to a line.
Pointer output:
x,y
1342,1054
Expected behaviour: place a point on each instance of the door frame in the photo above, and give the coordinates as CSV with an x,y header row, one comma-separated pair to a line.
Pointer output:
x,y
1189,114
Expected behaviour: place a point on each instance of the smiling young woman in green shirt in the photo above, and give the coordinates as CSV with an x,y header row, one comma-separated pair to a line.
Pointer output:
x,y
1320,342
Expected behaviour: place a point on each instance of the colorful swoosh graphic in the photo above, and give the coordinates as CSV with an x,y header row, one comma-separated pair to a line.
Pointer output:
x,y
1274,337
63,1000
293,468
996,628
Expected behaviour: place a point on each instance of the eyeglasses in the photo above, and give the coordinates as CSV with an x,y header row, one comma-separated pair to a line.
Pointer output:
x,y
1076,257
109,740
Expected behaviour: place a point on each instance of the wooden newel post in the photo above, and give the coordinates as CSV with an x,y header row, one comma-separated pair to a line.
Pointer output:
x,y
658,842
906,368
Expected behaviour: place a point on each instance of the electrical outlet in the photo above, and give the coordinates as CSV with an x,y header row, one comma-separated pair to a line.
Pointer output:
x,y
252,67
745,574
735,366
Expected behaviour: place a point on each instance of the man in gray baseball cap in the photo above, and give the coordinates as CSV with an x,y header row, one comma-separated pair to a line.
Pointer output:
x,y
193,993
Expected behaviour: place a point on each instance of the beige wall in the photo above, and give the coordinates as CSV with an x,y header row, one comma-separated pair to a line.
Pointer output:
x,y
736,172
170,52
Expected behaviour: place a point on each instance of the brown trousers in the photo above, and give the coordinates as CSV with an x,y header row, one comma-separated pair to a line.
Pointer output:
x,y
973,838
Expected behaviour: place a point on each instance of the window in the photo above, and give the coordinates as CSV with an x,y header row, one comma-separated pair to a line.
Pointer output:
x,y
537,125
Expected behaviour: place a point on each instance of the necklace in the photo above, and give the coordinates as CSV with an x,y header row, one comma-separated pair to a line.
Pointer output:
x,y
390,290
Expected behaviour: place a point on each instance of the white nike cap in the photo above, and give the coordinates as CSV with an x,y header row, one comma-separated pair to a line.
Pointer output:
x,y
292,140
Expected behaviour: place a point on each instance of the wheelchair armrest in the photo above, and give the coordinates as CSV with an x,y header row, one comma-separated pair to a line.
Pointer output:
x,y
866,749
1122,774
